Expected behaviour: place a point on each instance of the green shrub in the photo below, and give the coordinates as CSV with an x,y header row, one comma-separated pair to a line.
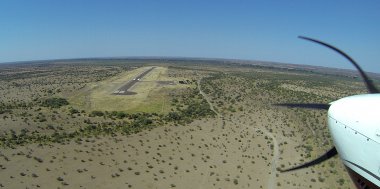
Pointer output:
x,y
96,113
73,111
54,102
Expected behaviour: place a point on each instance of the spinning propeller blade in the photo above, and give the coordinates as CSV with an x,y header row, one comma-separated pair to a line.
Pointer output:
x,y
308,105
329,154
370,86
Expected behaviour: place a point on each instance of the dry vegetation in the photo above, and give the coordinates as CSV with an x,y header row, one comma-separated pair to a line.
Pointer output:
x,y
50,140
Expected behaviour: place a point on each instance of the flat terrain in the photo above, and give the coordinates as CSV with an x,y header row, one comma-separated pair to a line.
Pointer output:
x,y
188,125
124,89
148,94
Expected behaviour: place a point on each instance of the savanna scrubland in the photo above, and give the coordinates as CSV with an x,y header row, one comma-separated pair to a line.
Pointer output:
x,y
191,124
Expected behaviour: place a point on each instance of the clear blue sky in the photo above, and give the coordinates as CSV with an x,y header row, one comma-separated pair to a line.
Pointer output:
x,y
242,29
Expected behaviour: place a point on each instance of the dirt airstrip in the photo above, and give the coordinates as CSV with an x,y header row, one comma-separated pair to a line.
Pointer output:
x,y
147,95
124,89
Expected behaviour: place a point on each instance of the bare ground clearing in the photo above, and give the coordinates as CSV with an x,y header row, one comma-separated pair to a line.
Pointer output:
x,y
149,93
124,89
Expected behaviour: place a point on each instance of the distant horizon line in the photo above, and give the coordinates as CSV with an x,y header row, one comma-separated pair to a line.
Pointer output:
x,y
229,60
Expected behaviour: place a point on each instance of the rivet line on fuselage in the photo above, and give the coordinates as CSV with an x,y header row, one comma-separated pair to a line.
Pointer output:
x,y
356,132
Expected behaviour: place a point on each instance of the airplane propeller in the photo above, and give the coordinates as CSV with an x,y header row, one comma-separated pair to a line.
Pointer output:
x,y
329,154
306,105
370,87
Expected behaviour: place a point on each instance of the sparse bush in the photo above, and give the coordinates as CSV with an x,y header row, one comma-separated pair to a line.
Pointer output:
x,y
341,181
38,159
54,102
236,182
96,113
73,111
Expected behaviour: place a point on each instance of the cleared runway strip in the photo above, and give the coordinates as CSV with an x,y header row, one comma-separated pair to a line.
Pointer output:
x,y
124,89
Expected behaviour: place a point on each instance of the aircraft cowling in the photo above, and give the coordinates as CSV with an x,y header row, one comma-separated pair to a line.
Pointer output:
x,y
354,123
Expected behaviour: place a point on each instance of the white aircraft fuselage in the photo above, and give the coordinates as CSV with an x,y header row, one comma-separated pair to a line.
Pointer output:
x,y
354,123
